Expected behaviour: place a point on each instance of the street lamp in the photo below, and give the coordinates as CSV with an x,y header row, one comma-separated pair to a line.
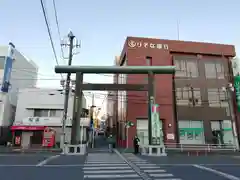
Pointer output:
x,y
228,90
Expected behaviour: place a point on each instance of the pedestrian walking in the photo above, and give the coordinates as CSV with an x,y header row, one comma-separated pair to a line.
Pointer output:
x,y
111,142
136,141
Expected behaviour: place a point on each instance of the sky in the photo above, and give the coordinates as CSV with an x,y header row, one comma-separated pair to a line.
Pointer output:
x,y
102,27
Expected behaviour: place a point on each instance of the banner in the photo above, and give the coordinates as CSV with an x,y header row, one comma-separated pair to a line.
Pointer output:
x,y
237,91
156,124
8,68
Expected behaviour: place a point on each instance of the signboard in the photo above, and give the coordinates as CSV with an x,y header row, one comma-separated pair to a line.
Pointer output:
x,y
8,68
237,90
139,44
129,124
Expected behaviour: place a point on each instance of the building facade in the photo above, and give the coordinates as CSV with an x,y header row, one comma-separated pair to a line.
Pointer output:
x,y
16,71
195,104
38,109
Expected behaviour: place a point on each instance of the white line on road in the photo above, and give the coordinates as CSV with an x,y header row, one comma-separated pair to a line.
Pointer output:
x,y
105,176
120,164
154,170
159,164
96,168
42,163
161,175
108,172
17,165
227,176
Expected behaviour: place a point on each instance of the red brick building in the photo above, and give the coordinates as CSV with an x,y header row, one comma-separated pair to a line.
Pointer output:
x,y
191,101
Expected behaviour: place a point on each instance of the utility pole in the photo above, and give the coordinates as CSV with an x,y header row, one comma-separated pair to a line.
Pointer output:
x,y
67,84
93,118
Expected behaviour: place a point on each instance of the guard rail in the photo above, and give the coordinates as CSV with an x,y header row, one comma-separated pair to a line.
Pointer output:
x,y
199,147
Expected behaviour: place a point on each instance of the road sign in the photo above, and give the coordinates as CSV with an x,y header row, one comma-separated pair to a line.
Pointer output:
x,y
129,124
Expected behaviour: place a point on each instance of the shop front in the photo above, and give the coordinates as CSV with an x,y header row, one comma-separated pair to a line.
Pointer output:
x,y
191,132
33,136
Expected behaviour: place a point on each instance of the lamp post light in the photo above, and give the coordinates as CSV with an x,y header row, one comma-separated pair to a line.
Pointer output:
x,y
228,90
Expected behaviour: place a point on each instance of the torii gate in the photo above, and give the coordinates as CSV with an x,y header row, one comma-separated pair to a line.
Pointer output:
x,y
80,70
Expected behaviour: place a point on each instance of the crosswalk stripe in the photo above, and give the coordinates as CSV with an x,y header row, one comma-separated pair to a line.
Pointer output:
x,y
109,172
107,164
154,170
99,176
126,167
168,179
99,166
161,175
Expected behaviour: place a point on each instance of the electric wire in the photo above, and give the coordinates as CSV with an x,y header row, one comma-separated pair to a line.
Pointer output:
x,y
49,33
58,28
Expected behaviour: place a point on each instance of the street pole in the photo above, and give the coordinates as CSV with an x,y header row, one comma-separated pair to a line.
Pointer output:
x,y
127,136
67,88
93,129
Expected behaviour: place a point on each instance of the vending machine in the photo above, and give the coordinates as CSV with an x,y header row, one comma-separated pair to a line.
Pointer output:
x,y
49,135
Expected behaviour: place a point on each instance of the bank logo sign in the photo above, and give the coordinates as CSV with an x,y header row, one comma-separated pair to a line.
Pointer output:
x,y
139,44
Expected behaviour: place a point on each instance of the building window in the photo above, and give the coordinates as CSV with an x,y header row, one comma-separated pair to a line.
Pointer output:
x,y
55,113
149,61
47,113
191,132
217,98
188,96
41,113
186,68
214,70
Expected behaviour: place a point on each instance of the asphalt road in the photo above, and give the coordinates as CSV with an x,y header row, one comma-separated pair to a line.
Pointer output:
x,y
39,167
199,168
60,167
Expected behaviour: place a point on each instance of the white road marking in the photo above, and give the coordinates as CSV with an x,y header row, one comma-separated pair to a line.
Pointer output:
x,y
107,164
161,175
99,176
42,163
227,176
102,162
111,171
93,168
168,179
153,170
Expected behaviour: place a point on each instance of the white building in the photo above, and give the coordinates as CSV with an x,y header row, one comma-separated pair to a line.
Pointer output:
x,y
21,73
38,108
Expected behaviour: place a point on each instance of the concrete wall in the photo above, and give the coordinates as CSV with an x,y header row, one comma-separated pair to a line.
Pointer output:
x,y
42,98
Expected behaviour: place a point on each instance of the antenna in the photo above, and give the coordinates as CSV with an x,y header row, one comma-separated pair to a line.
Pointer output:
x,y
178,30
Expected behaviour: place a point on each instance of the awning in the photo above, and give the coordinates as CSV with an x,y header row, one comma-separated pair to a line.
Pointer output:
x,y
28,128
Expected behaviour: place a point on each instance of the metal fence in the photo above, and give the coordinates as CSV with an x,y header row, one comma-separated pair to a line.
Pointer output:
x,y
201,147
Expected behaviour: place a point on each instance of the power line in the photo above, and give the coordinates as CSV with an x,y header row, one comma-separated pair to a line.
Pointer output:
x,y
58,28
49,33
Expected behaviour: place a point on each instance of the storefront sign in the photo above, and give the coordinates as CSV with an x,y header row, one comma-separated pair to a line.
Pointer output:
x,y
170,136
139,44
237,90
28,128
